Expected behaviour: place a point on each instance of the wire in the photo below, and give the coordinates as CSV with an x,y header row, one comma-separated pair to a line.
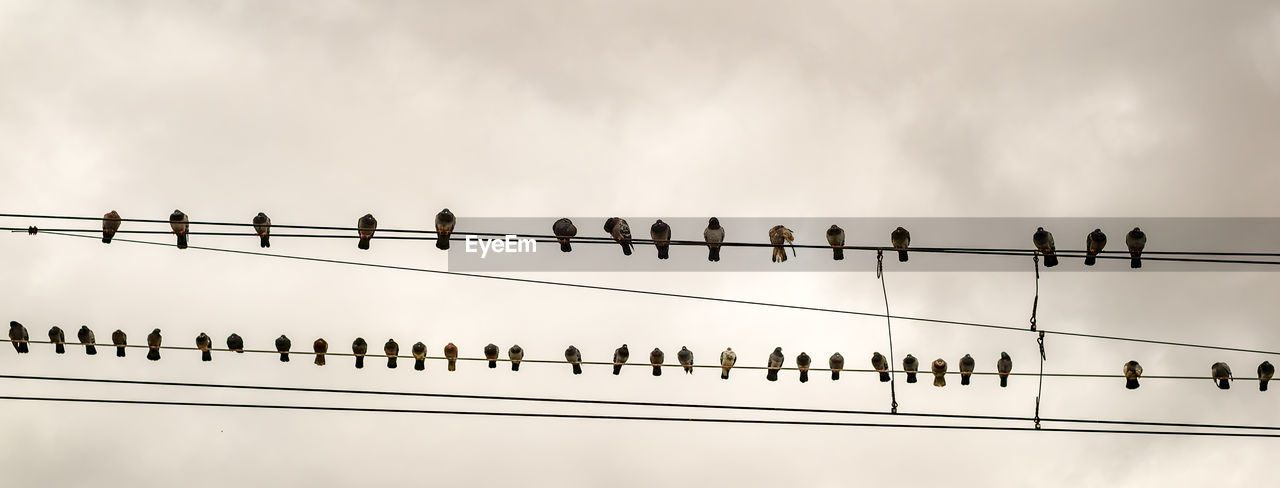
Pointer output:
x,y
888,323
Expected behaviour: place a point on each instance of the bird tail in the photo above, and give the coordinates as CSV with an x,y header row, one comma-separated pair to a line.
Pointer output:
x,y
206,356
90,349
1090,259
577,368
884,376
626,247
902,256
835,375
772,375
364,243
688,369
657,370
515,365
804,376
617,368
264,240
1262,385
837,253
106,237
182,240
20,346
359,362
1050,260
391,362
442,241
964,379
713,254
59,348
664,252
153,354
1131,383
564,246
1224,384
419,364
319,359
453,365
1004,380
1135,260
284,357
493,364
939,381
911,377
724,373
119,351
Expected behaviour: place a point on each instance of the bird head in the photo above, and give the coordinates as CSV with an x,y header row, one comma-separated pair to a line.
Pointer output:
x,y
1004,355
713,223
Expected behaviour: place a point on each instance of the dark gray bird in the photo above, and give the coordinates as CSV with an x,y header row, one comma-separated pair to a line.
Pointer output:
x,y
574,357
836,363
282,346
110,224
1265,372
660,232
835,237
59,339
1136,240
153,345
235,343
1003,366
685,356
910,365
491,353
714,235
775,363
1222,374
881,365
180,224
655,359
515,354
320,347
1132,371
727,360
1093,244
802,363
451,356
620,356
87,340
966,369
419,351
365,228
939,372
205,345
391,349
120,340
621,233
1043,241
778,235
262,227
359,348
901,240
18,336
564,230
444,228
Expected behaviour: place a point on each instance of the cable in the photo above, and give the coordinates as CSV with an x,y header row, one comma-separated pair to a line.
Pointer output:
x,y
893,394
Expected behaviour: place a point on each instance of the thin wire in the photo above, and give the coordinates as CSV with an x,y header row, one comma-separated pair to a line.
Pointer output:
x,y
893,394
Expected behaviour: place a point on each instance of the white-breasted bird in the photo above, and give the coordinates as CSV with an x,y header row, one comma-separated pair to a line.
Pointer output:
x,y
574,357
365,227
727,360
1136,241
901,240
1043,240
180,225
1093,244
775,363
444,228
1222,374
714,235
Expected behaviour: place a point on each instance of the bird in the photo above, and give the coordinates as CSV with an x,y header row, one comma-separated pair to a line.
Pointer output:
x,y
802,363
515,354
837,363
564,230
1043,241
1222,373
205,345
966,369
153,345
120,340
939,372
451,354
881,365
660,232
235,343
685,356
359,348
655,359
491,353
910,365
87,340
365,228
727,359
444,228
282,346
574,357
18,336
58,338
775,363
1136,240
419,351
777,235
1093,244
391,349
180,224
714,235
262,227
901,240
835,237
1004,366
1265,372
320,347
1132,371
620,356
110,224
621,233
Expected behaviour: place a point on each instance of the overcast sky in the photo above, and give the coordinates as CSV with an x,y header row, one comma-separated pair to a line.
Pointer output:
x,y
318,112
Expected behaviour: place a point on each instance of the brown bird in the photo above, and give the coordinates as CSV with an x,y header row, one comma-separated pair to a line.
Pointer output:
x,y
837,363
18,336
120,340
802,363
910,365
451,354
110,224
365,228
835,237
901,240
621,233
777,235
881,366
444,228
660,232
419,351
59,339
282,346
235,343
1043,241
515,354
1003,366
1132,371
714,235
1093,244
153,345
727,359
966,369
939,372
620,356
205,345
392,350
655,359
262,226
1265,372
491,353
320,347
359,348
180,224
1136,241
1222,374
87,340
564,230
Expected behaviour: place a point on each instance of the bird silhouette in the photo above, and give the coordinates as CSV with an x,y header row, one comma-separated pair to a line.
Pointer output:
x,y
836,363
966,369
910,365
87,340
714,235
262,227
685,357
802,363
282,346
835,237
205,345
1265,372
419,351
901,240
391,349
574,357
621,233
620,356
655,359
320,347
1136,241
180,224
1132,371
120,340
491,353
235,343
59,339
451,356
775,363
110,224
359,348
564,230
153,345
660,232
515,354
1222,374
1003,366
881,366
1043,241
1093,244
18,336
365,228
444,228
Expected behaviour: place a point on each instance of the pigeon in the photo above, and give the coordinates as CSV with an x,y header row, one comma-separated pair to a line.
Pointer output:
x,y
1132,371
365,228
515,354
775,363
58,338
939,372
180,224
621,233
18,336
714,235
777,235
320,347
444,228
966,369
1136,240
660,232
802,363
153,345
564,230
87,340
881,365
655,359
1222,373
1043,241
235,343
910,365
120,340
491,353
685,356
1093,244
1265,372
620,356
1004,366
835,237
282,346
391,349
901,240
451,354
727,358
205,345
574,357
359,348
419,351
110,224
262,227
837,363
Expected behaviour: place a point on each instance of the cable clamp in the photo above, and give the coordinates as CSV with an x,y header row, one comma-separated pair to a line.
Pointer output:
x,y
1040,341
32,230
879,263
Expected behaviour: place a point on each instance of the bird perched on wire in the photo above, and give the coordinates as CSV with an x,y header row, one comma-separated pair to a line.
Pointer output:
x,y
1093,244
775,363
1222,374
262,227
939,372
391,349
282,346
120,340
18,336
802,363
966,369
714,235
180,224
727,360
515,354
1043,241
153,345
620,356
835,237
777,236
359,348
1265,372
451,356
836,363
1003,366
901,240
564,230
574,357
110,224
59,339
1136,240
660,232
910,365
205,345
365,228
320,347
685,356
419,351
444,228
87,340
621,233
655,359
881,366
1132,371
491,353
235,343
